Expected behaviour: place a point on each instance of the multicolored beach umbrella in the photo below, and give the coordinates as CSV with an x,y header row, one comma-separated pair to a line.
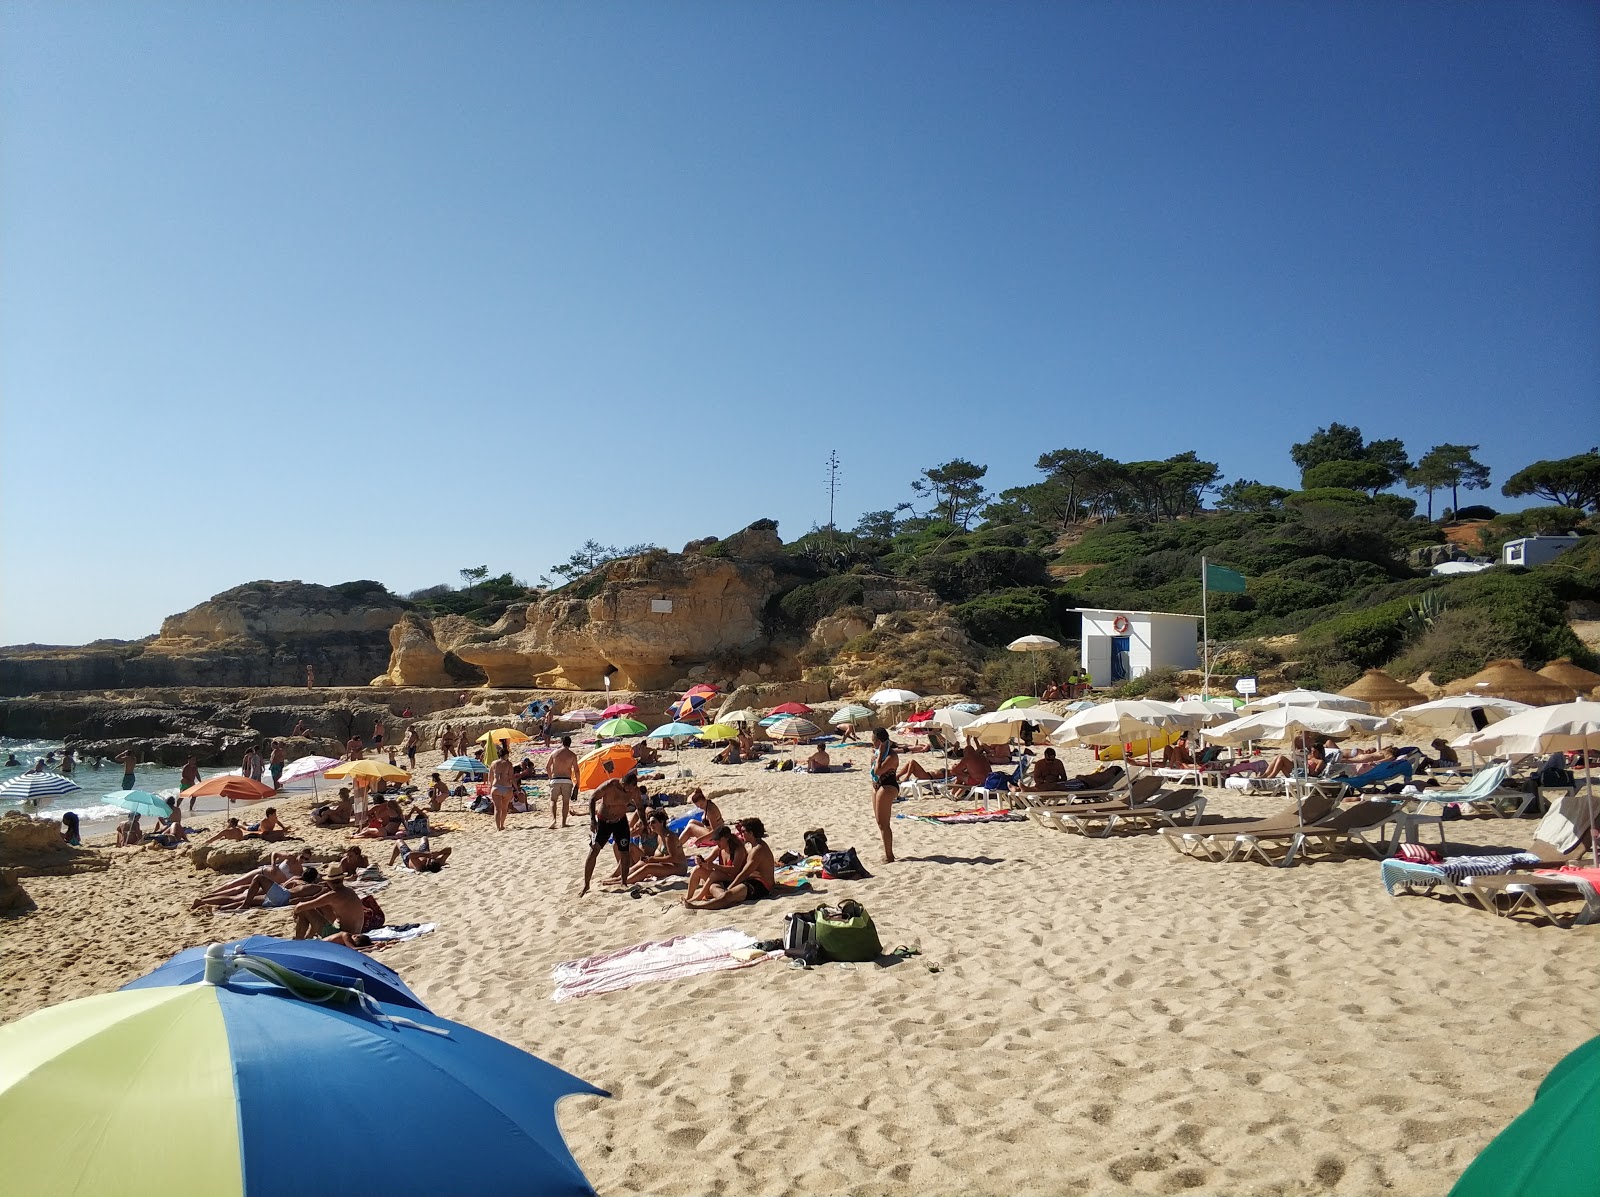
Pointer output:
x,y
330,963
276,1094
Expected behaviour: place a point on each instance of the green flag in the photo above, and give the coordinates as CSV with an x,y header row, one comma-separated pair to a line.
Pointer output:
x,y
1225,580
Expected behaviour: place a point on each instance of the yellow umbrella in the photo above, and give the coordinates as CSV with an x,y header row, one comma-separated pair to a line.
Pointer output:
x,y
375,770
719,731
503,733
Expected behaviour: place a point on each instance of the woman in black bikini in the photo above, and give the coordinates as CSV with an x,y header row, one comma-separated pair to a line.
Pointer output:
x,y
885,787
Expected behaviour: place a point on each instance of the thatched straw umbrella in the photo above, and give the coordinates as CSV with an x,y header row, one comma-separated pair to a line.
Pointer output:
x,y
1563,671
1509,678
1382,691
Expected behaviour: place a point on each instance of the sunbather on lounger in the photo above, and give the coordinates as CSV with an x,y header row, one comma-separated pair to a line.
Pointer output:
x,y
1389,770
1048,773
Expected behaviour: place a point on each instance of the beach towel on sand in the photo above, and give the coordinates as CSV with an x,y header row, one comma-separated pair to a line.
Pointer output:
x,y
977,815
661,960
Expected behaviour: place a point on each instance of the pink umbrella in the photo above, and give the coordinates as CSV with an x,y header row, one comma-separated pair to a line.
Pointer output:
x,y
791,708
309,766
618,708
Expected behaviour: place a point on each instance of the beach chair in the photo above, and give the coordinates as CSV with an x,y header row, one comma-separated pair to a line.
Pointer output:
x,y
1487,792
1524,890
1164,809
1341,827
1221,841
1561,838
1124,794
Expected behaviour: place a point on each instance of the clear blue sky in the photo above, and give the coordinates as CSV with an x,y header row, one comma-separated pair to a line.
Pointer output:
x,y
331,291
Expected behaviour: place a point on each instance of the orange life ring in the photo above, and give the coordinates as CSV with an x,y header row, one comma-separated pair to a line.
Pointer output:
x,y
1119,625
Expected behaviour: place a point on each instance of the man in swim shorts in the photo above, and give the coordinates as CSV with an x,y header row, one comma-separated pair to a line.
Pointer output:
x,y
339,908
755,881
563,780
608,824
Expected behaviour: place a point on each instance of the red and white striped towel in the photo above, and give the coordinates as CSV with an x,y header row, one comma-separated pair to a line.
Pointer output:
x,y
662,960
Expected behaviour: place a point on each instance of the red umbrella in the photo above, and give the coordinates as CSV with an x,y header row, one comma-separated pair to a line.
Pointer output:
x,y
791,708
920,717
618,708
231,786
704,688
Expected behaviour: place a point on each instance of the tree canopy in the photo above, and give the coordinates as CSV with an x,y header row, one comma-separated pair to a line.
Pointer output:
x,y
1568,481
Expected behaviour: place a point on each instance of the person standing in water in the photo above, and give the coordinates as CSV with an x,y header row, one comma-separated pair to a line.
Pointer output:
x,y
885,788
128,759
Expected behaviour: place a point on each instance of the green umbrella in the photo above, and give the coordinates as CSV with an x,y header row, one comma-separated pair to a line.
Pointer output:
x,y
1552,1146
612,728
140,802
1021,700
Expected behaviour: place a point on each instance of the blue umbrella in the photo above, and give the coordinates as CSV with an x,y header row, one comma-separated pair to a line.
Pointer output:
x,y
235,1059
330,963
771,719
463,764
37,785
674,731
140,802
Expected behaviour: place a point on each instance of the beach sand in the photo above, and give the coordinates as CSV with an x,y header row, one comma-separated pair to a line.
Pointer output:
x,y
1105,1016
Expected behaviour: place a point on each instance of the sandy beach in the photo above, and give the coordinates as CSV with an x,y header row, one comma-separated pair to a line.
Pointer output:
x,y
1084,1016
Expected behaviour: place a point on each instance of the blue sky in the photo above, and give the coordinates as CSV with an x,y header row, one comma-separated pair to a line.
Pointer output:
x,y
329,291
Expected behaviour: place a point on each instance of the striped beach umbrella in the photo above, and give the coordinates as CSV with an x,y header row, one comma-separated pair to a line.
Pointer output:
x,y
852,712
37,785
463,764
793,728
83,1084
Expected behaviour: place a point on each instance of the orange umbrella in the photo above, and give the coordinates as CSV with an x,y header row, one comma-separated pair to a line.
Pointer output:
x,y
232,786
601,765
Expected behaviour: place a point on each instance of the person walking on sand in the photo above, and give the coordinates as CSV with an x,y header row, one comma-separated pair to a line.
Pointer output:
x,y
409,746
377,735
128,758
502,785
354,749
609,807
563,768
276,763
447,741
190,777
251,764
885,788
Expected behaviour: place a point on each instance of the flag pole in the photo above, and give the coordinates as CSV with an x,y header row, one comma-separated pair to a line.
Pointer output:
x,y
1205,635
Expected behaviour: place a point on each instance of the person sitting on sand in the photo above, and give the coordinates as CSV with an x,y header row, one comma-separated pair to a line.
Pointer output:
x,y
228,831
353,861
438,791
706,821
336,814
728,754
69,829
169,832
385,821
818,761
644,754
129,832
1048,773
337,909
268,894
755,880
419,860
668,858
271,827
721,864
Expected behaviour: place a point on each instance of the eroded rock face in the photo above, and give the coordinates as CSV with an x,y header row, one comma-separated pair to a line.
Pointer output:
x,y
422,655
258,634
34,848
649,619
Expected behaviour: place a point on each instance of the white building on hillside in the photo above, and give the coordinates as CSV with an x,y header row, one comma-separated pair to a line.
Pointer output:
x,y
1536,550
1118,646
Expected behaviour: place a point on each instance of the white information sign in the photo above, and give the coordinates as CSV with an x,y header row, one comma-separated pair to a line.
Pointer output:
x,y
1245,685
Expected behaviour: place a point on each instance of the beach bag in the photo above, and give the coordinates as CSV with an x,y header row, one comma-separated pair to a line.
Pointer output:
x,y
816,843
374,916
800,937
847,934
845,865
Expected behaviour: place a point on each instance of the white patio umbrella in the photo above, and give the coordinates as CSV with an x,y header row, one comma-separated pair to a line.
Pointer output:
x,y
1121,721
999,727
742,715
1309,698
1032,644
1455,713
952,717
1284,723
1197,713
852,712
893,698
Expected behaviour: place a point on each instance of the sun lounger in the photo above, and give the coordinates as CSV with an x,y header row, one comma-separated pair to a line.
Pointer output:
x,y
1220,841
1341,827
1532,889
1165,808
1123,792
1486,793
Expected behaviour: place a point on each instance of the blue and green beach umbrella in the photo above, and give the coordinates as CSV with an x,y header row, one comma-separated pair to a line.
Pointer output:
x,y
612,728
330,963
674,731
275,1094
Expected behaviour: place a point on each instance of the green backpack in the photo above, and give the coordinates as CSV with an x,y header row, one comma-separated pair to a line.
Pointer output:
x,y
847,933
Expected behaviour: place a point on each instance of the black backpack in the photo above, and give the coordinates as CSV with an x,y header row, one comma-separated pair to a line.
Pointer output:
x,y
800,937
816,842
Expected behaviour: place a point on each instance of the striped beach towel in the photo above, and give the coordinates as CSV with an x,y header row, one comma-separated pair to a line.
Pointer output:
x,y
1399,873
659,960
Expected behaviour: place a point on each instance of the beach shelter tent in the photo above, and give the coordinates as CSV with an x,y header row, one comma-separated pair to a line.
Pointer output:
x,y
1552,1146
1564,672
1509,678
1308,698
614,760
1382,692
228,1061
